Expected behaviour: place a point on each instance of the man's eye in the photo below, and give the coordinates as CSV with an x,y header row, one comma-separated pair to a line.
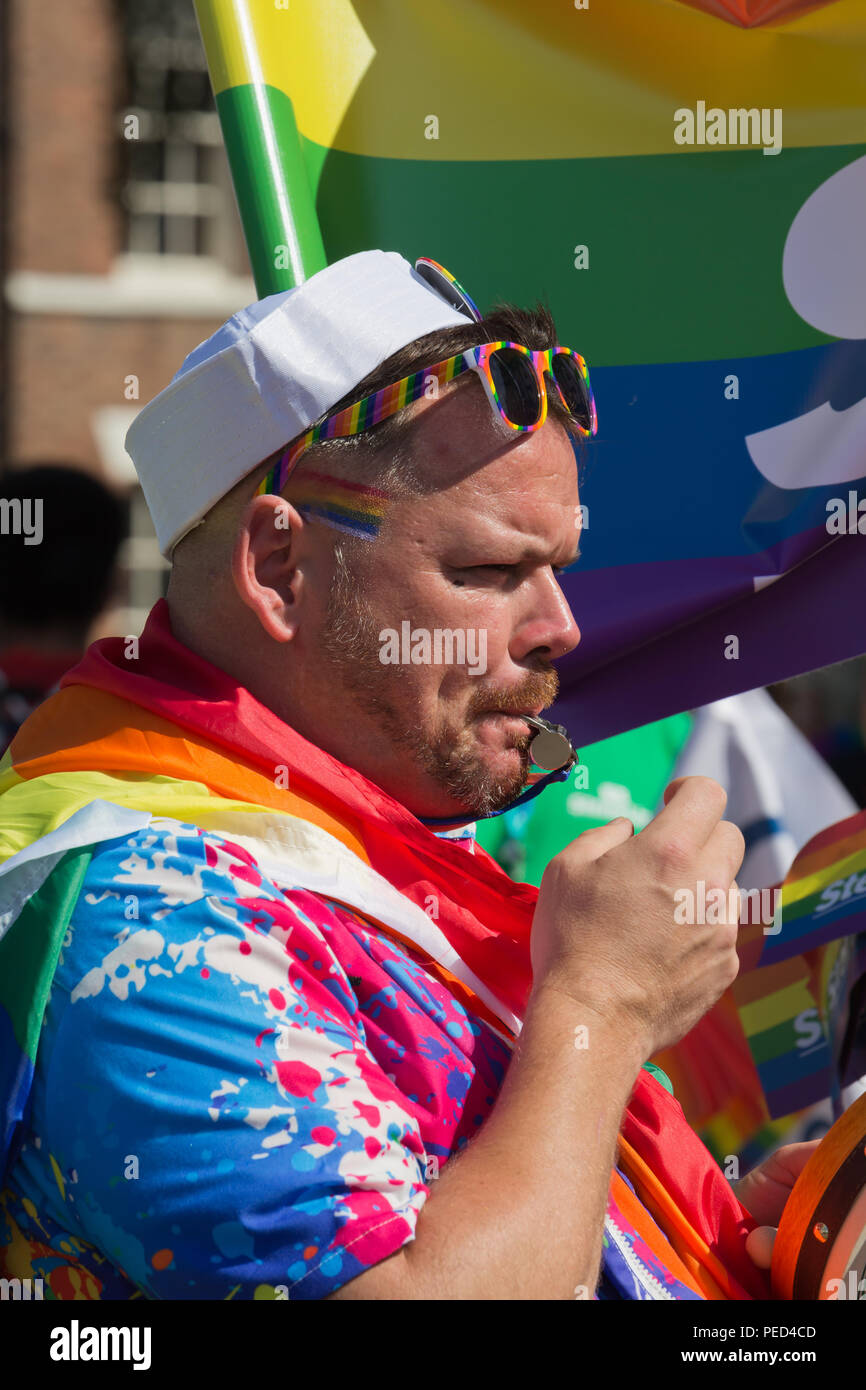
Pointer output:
x,y
481,569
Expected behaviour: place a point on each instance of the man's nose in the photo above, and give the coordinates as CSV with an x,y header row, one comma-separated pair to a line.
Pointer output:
x,y
549,624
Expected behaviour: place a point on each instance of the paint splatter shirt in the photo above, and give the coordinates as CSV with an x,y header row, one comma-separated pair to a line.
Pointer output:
x,y
240,1091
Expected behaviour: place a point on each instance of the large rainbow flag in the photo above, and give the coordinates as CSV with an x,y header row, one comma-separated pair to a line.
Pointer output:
x,y
715,289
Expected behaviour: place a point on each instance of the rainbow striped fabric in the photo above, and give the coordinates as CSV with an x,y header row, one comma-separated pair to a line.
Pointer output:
x,y
797,995
824,893
360,416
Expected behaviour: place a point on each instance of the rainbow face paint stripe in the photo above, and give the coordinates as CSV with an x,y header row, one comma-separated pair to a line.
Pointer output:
x,y
498,375
350,507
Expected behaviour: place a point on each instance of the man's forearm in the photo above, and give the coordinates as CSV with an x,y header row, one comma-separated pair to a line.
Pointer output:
x,y
519,1213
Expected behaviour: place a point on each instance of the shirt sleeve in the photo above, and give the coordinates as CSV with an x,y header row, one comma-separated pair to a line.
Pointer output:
x,y
204,1085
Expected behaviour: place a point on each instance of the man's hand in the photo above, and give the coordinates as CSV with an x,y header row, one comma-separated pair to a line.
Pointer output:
x,y
609,960
764,1192
605,931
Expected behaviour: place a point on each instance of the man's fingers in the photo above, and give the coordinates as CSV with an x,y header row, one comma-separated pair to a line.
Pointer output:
x,y
592,844
692,810
788,1162
724,853
673,787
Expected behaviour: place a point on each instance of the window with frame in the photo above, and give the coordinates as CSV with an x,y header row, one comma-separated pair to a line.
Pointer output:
x,y
176,187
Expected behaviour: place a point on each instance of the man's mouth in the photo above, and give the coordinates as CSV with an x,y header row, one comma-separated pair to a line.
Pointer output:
x,y
533,712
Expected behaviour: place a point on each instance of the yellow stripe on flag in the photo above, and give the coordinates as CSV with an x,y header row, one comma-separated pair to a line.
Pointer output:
x,y
812,883
571,83
777,1008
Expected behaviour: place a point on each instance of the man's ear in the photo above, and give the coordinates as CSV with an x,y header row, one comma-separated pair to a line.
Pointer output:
x,y
264,564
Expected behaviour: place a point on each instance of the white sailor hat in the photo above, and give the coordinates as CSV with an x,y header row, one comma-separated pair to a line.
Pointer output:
x,y
272,370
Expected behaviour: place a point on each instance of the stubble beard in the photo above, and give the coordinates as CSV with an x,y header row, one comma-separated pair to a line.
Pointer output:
x,y
448,753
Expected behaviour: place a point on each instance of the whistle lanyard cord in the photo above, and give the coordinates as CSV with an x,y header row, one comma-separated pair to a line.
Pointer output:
x,y
560,775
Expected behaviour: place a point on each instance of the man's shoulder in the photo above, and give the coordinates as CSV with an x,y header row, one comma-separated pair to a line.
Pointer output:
x,y
168,873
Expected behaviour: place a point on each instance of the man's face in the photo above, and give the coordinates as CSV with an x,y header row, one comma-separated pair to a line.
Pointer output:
x,y
466,573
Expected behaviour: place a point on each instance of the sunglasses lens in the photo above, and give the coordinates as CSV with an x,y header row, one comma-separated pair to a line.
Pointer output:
x,y
443,282
516,385
571,383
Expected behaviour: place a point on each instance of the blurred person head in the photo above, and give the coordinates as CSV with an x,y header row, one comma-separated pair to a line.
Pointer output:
x,y
62,530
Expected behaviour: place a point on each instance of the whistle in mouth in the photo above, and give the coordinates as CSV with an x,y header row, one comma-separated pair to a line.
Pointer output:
x,y
551,748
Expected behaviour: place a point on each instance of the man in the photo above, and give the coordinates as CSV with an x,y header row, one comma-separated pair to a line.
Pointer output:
x,y
272,1053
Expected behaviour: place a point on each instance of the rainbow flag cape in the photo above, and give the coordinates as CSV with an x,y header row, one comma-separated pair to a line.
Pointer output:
x,y
715,289
171,734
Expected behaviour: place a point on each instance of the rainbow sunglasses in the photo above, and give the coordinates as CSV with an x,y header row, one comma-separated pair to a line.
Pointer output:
x,y
513,377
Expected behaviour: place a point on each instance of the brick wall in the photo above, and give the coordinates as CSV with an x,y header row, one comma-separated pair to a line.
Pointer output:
x,y
66,89
64,368
66,81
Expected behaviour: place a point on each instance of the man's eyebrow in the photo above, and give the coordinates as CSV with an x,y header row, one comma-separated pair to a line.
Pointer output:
x,y
536,553
542,556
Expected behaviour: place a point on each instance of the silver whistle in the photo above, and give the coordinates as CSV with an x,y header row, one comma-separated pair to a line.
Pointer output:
x,y
551,748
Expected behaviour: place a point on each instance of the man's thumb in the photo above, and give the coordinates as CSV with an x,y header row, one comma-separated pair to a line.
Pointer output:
x,y
759,1245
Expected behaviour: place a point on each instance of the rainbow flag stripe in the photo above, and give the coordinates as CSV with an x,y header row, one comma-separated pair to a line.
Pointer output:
x,y
794,1002
824,894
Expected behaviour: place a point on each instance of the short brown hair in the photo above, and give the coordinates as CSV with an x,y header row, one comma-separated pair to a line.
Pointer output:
x,y
376,454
